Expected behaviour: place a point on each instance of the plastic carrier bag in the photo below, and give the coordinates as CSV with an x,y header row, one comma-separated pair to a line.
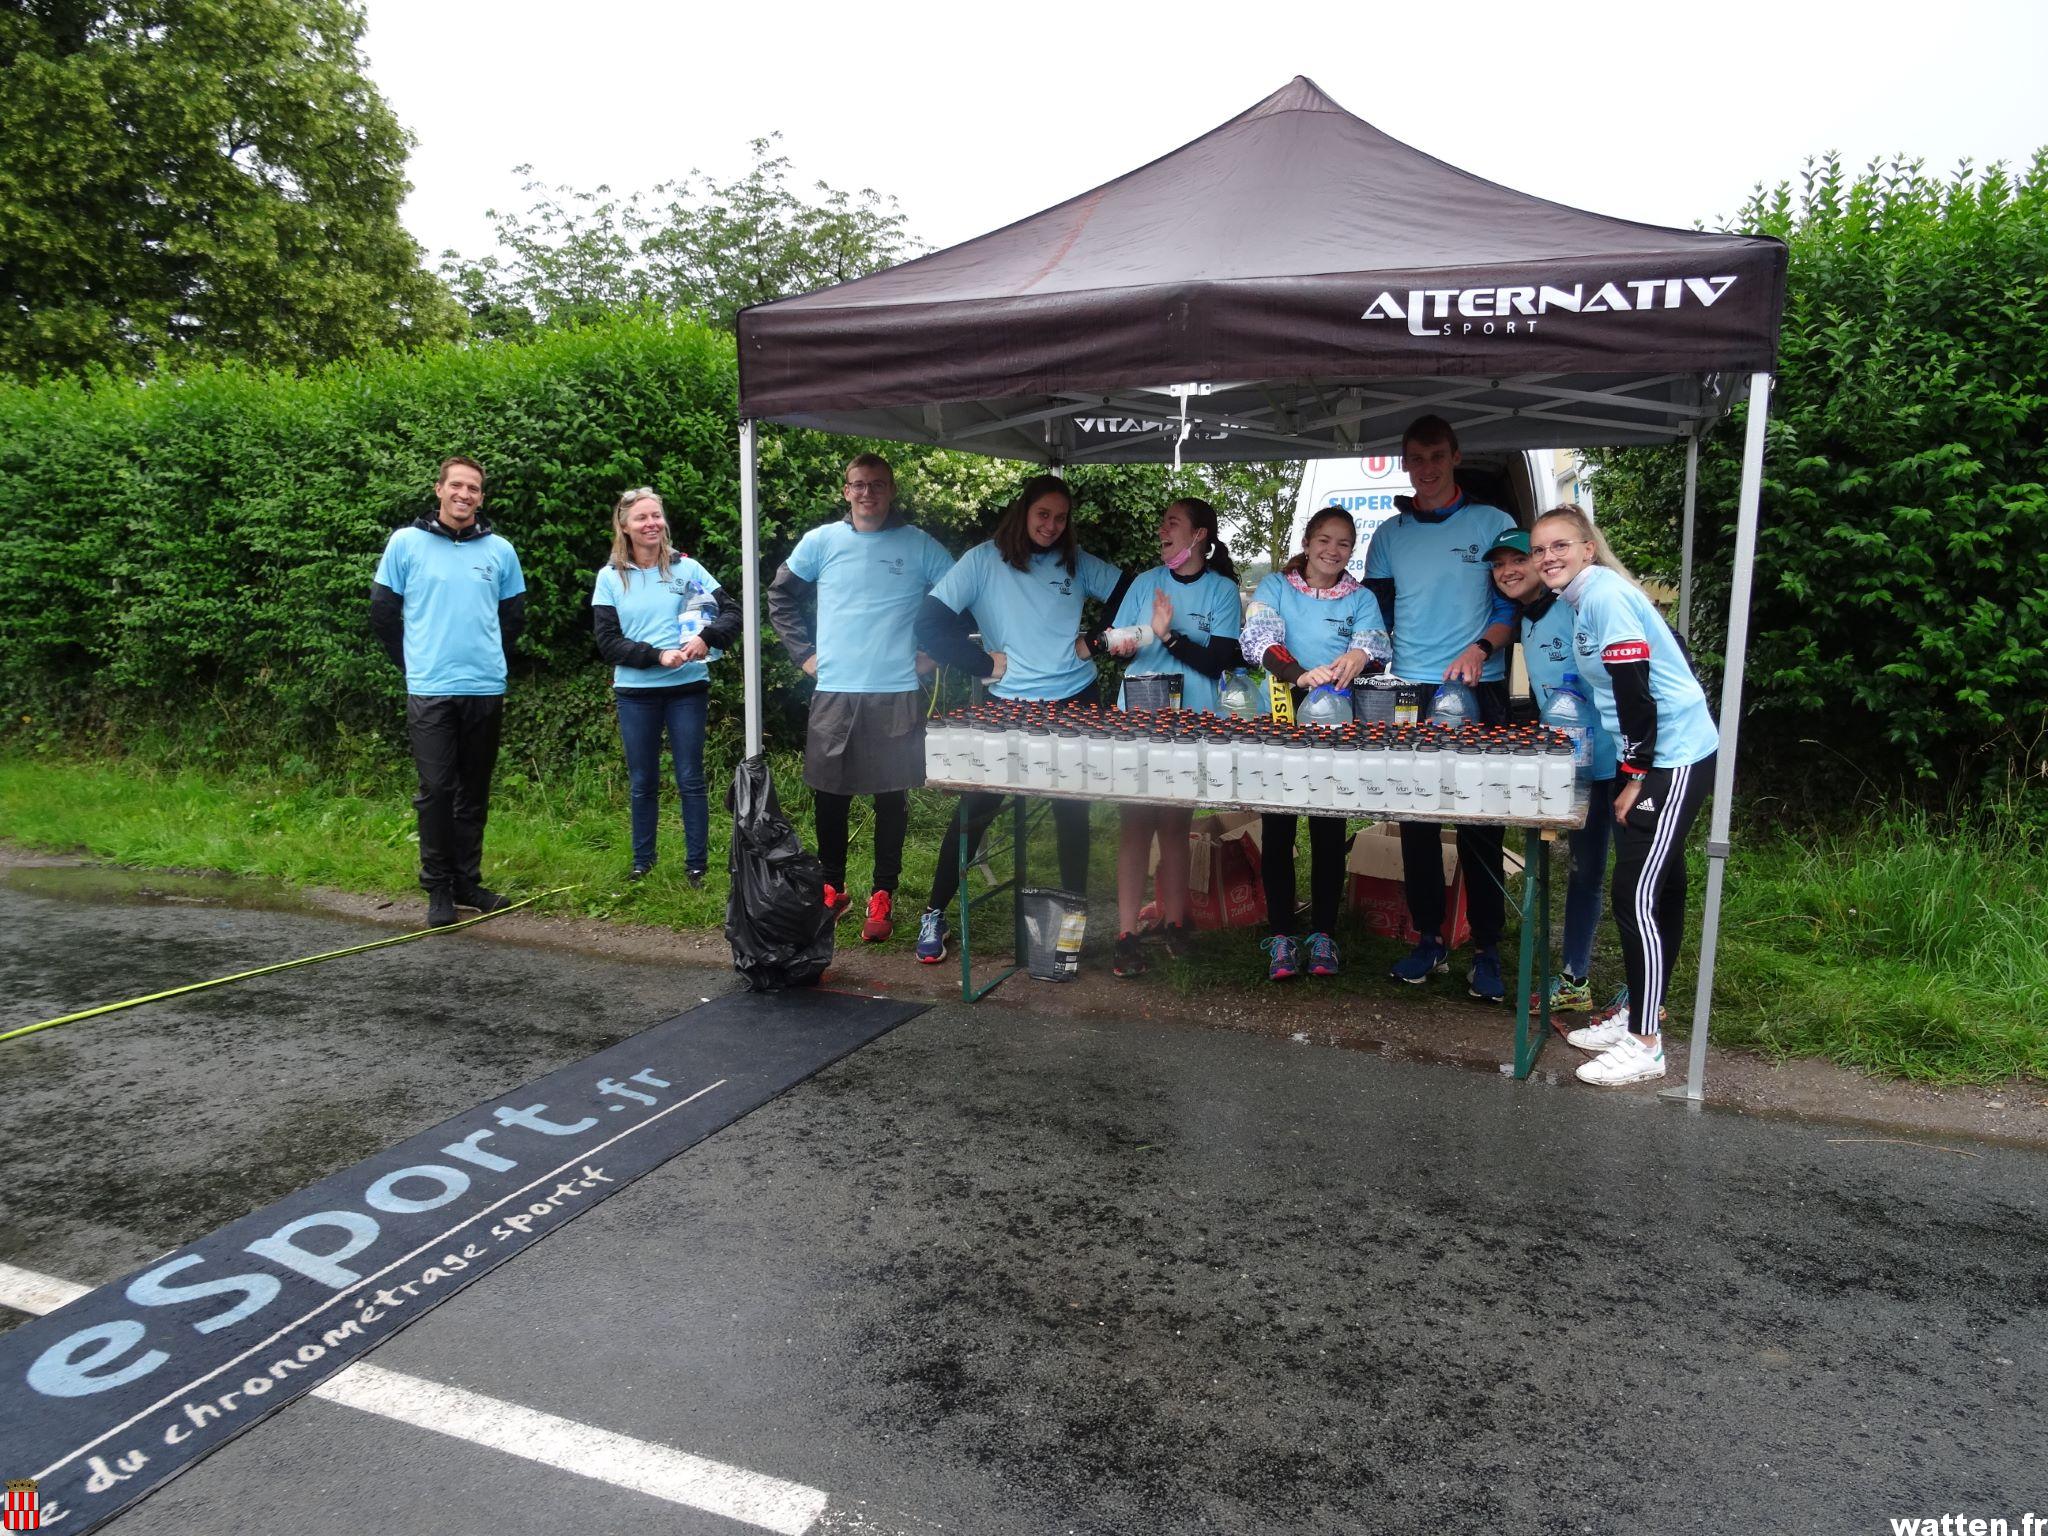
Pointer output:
x,y
775,916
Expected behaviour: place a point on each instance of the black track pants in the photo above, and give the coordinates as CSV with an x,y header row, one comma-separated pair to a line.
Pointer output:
x,y
1479,852
892,818
1650,880
455,748
1070,827
1325,871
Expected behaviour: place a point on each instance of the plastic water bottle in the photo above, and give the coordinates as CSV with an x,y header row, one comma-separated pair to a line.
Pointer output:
x,y
1238,698
1454,706
1325,705
699,609
1571,711
1556,792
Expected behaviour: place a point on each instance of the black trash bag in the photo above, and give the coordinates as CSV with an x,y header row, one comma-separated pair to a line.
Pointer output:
x,y
775,915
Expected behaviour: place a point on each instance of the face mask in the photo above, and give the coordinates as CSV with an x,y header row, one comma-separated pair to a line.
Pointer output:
x,y
1174,562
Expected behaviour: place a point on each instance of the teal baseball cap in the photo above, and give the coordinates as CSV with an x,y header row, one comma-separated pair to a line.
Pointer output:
x,y
1516,539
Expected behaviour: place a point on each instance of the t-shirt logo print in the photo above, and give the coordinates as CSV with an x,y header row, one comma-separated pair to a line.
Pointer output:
x,y
895,566
1469,553
1554,647
1064,588
488,571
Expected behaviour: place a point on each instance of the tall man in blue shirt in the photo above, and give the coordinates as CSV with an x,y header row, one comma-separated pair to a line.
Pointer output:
x,y
1428,568
845,606
447,603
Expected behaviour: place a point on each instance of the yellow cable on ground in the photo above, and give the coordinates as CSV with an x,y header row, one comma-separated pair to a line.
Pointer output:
x,y
221,981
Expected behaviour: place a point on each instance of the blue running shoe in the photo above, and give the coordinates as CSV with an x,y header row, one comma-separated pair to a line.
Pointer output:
x,y
1322,955
931,937
1285,958
1484,982
1422,962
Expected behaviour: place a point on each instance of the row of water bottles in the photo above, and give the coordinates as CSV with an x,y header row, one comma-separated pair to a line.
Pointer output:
x,y
1189,759
1453,705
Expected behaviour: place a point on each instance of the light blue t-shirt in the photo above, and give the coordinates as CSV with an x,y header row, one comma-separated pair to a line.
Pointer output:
x,y
869,588
452,590
1616,622
1444,595
1547,653
1203,609
650,607
1319,629
1033,616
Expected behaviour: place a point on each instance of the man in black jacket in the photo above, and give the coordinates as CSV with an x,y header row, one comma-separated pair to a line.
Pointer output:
x,y
447,603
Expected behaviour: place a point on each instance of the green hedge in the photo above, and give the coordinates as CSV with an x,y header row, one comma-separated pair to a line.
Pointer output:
x,y
1900,618
191,557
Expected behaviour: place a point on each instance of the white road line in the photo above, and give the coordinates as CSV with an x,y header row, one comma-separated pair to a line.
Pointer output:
x,y
26,1291
680,1478
657,1470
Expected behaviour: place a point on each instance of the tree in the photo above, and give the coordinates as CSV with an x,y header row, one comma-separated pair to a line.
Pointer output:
x,y
1256,502
200,179
1901,598
694,245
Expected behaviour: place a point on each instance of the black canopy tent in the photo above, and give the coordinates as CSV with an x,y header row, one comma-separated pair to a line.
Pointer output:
x,y
1293,284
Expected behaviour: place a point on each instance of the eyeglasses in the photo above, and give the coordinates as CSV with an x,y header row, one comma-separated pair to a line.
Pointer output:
x,y
870,487
1560,547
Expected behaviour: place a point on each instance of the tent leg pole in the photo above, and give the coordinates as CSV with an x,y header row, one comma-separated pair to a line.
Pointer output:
x,y
1692,488
1731,727
750,585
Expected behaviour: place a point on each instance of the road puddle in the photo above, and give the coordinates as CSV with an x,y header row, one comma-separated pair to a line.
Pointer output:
x,y
107,885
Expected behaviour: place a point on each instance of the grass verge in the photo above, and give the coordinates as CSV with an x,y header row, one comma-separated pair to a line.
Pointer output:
x,y
1899,947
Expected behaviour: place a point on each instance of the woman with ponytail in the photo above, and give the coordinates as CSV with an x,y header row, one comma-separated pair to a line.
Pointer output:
x,y
1026,588
1665,742
1546,628
1189,607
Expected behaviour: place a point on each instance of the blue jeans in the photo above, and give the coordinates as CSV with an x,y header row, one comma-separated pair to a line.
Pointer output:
x,y
1582,895
642,717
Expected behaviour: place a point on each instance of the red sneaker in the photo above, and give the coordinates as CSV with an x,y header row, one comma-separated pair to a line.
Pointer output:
x,y
881,920
837,902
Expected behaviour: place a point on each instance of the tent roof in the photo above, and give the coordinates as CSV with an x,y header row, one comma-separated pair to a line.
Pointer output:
x,y
1303,284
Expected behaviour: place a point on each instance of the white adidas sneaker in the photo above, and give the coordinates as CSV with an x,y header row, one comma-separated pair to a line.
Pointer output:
x,y
1636,1059
1602,1036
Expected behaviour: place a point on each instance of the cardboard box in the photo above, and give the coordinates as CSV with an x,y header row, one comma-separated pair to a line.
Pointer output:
x,y
1225,888
1380,896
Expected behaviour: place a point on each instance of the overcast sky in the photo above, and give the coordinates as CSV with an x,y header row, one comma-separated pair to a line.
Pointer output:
x,y
972,118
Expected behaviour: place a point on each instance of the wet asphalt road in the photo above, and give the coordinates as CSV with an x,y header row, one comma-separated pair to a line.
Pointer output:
x,y
1002,1274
